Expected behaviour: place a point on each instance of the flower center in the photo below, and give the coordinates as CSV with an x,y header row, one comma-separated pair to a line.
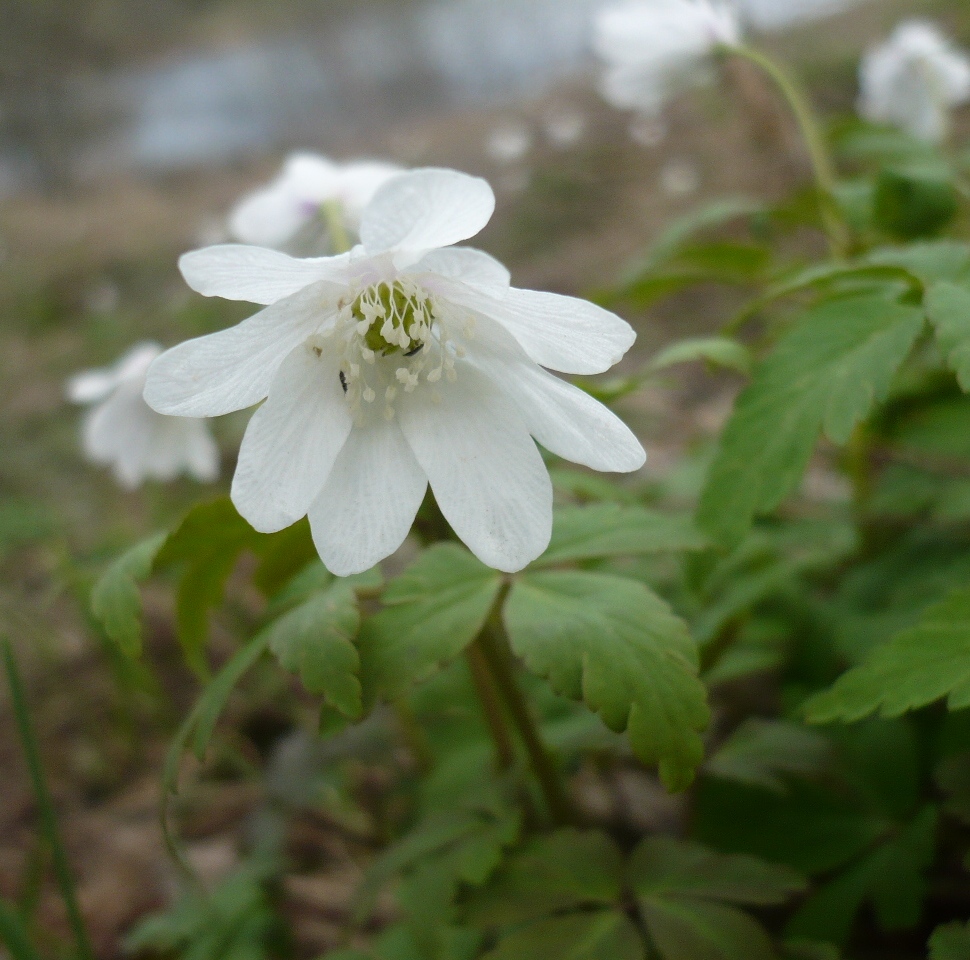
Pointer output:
x,y
391,338
393,318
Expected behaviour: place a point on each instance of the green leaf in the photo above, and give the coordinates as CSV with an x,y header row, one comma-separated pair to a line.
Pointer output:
x,y
611,530
917,667
762,752
617,646
206,546
567,870
200,723
676,236
930,262
718,351
891,878
916,200
315,639
433,611
582,936
694,929
115,600
663,867
948,308
687,895
13,935
825,374
950,942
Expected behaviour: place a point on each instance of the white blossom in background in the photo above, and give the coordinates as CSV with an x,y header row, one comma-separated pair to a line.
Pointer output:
x,y
121,431
914,80
509,143
275,214
653,48
404,362
680,178
564,128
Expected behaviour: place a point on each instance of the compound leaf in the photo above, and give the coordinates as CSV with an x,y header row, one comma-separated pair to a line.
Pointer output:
x,y
577,936
617,646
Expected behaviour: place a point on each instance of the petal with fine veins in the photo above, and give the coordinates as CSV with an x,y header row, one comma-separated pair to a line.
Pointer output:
x,y
464,265
485,470
561,333
255,274
233,369
426,209
292,442
369,501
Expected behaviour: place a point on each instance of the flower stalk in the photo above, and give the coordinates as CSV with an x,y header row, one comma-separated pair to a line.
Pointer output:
x,y
497,655
808,126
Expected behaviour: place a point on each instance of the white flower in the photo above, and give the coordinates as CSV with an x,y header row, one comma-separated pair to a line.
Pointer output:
x,y
914,80
123,432
406,361
272,216
652,48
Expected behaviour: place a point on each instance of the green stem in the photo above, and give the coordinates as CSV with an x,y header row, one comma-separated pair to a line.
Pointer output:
x,y
491,704
824,171
332,212
48,818
498,656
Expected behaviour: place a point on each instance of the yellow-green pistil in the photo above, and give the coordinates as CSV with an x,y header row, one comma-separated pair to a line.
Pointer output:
x,y
392,319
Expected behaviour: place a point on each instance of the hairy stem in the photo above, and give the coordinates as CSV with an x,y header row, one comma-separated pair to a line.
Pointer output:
x,y
808,126
48,817
495,649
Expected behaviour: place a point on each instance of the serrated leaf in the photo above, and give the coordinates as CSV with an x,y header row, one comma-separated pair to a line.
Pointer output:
x,y
917,667
763,752
433,611
315,639
950,942
567,870
699,930
610,530
663,867
115,599
719,351
581,936
948,308
617,646
825,374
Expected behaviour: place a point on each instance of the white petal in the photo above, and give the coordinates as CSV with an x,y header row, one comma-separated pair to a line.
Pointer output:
x,y
291,442
118,433
256,274
464,265
426,209
568,422
562,333
90,386
233,369
484,468
269,217
369,501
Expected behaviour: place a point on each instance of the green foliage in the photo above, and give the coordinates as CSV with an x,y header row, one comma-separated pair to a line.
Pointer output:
x,y
235,922
580,936
610,530
315,639
618,647
950,942
717,351
825,375
115,599
901,675
915,201
432,612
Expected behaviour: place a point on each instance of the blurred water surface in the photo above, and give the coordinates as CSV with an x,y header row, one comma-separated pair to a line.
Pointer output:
x,y
349,71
